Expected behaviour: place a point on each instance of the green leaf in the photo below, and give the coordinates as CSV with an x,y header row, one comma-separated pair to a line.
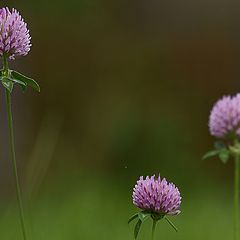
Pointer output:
x,y
28,81
18,81
143,216
22,84
171,224
211,153
7,83
224,155
219,145
132,218
137,228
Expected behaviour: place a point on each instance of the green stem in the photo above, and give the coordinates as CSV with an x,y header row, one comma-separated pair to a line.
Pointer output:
x,y
236,197
5,64
13,155
153,228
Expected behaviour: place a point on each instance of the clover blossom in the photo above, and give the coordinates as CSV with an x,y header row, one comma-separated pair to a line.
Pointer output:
x,y
14,35
225,117
157,196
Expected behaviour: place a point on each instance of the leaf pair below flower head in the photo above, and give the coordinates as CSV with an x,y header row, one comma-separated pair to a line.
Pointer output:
x,y
143,216
12,77
220,150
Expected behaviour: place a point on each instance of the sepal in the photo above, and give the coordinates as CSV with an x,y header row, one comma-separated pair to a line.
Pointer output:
x,y
144,215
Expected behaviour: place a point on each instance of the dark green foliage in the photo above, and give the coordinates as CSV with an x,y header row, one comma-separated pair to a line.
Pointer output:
x,y
137,228
220,150
8,80
143,216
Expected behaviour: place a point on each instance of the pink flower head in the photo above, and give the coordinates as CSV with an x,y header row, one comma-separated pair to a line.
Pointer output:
x,y
225,117
14,35
157,195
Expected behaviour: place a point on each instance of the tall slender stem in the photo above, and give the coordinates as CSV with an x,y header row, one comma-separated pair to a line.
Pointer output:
x,y
13,155
153,228
236,197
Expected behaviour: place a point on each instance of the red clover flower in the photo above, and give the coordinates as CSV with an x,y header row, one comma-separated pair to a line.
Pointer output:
x,y
156,198
224,124
14,35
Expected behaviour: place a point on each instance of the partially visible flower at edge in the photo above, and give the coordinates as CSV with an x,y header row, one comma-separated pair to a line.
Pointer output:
x,y
224,118
14,35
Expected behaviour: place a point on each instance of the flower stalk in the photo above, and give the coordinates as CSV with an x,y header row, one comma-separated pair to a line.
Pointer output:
x,y
154,228
236,197
12,151
235,152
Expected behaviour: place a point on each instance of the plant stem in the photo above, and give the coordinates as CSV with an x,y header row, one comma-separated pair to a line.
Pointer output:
x,y
153,228
5,64
236,198
13,155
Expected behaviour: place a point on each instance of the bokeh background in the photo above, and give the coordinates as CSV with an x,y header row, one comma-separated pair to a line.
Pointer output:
x,y
126,89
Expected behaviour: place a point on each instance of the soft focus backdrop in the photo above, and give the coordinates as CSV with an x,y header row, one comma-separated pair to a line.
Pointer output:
x,y
126,89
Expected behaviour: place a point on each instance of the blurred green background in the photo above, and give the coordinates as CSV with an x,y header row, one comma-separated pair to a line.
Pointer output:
x,y
126,89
